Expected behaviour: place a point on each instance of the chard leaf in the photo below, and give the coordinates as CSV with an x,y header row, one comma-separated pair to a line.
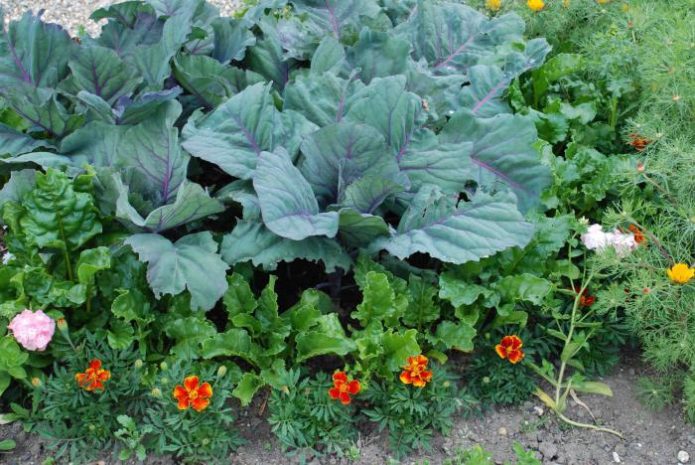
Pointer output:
x,y
56,214
235,133
338,155
250,241
503,153
379,302
422,308
33,54
100,71
191,263
288,205
453,232
189,333
398,346
457,336
327,336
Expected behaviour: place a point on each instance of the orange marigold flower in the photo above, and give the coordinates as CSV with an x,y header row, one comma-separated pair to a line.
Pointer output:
x,y
680,273
638,142
94,377
343,388
585,299
193,394
639,235
415,372
510,348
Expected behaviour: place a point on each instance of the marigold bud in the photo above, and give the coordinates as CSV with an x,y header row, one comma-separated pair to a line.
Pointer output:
x,y
36,382
156,392
205,441
486,380
92,428
62,324
139,364
163,366
221,371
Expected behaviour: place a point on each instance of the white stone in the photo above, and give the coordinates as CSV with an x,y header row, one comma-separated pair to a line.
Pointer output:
x,y
683,456
616,457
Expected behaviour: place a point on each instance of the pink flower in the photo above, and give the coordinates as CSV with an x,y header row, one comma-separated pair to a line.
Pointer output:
x,y
33,330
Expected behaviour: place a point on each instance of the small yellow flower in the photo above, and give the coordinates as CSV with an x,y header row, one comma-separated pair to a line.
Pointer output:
x,y
566,3
493,5
602,2
536,5
680,273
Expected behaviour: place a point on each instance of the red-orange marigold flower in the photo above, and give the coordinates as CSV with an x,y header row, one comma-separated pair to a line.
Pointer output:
x,y
639,235
415,372
585,299
193,394
510,348
638,142
343,388
94,377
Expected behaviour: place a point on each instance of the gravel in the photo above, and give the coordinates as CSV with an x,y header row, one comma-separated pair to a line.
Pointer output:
x,y
74,14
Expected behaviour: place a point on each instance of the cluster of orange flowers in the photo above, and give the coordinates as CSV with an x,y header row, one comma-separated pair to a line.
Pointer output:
x,y
94,377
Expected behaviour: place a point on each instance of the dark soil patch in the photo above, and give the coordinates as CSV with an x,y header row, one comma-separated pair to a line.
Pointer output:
x,y
649,438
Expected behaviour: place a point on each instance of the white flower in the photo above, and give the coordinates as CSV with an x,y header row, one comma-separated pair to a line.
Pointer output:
x,y
595,238
6,258
622,243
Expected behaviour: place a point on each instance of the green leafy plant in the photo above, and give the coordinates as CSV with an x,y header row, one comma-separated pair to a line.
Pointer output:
x,y
478,456
304,418
7,445
290,123
82,424
192,435
412,414
131,437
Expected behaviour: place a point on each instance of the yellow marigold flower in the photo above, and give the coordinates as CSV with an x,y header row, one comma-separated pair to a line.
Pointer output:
x,y
602,2
536,5
493,5
680,273
566,3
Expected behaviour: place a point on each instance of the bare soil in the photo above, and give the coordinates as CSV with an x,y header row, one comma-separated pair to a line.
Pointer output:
x,y
649,438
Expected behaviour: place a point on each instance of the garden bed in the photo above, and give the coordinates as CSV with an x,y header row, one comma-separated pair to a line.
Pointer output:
x,y
649,437
348,231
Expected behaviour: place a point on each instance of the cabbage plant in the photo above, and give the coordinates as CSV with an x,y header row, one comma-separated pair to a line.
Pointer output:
x,y
309,129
